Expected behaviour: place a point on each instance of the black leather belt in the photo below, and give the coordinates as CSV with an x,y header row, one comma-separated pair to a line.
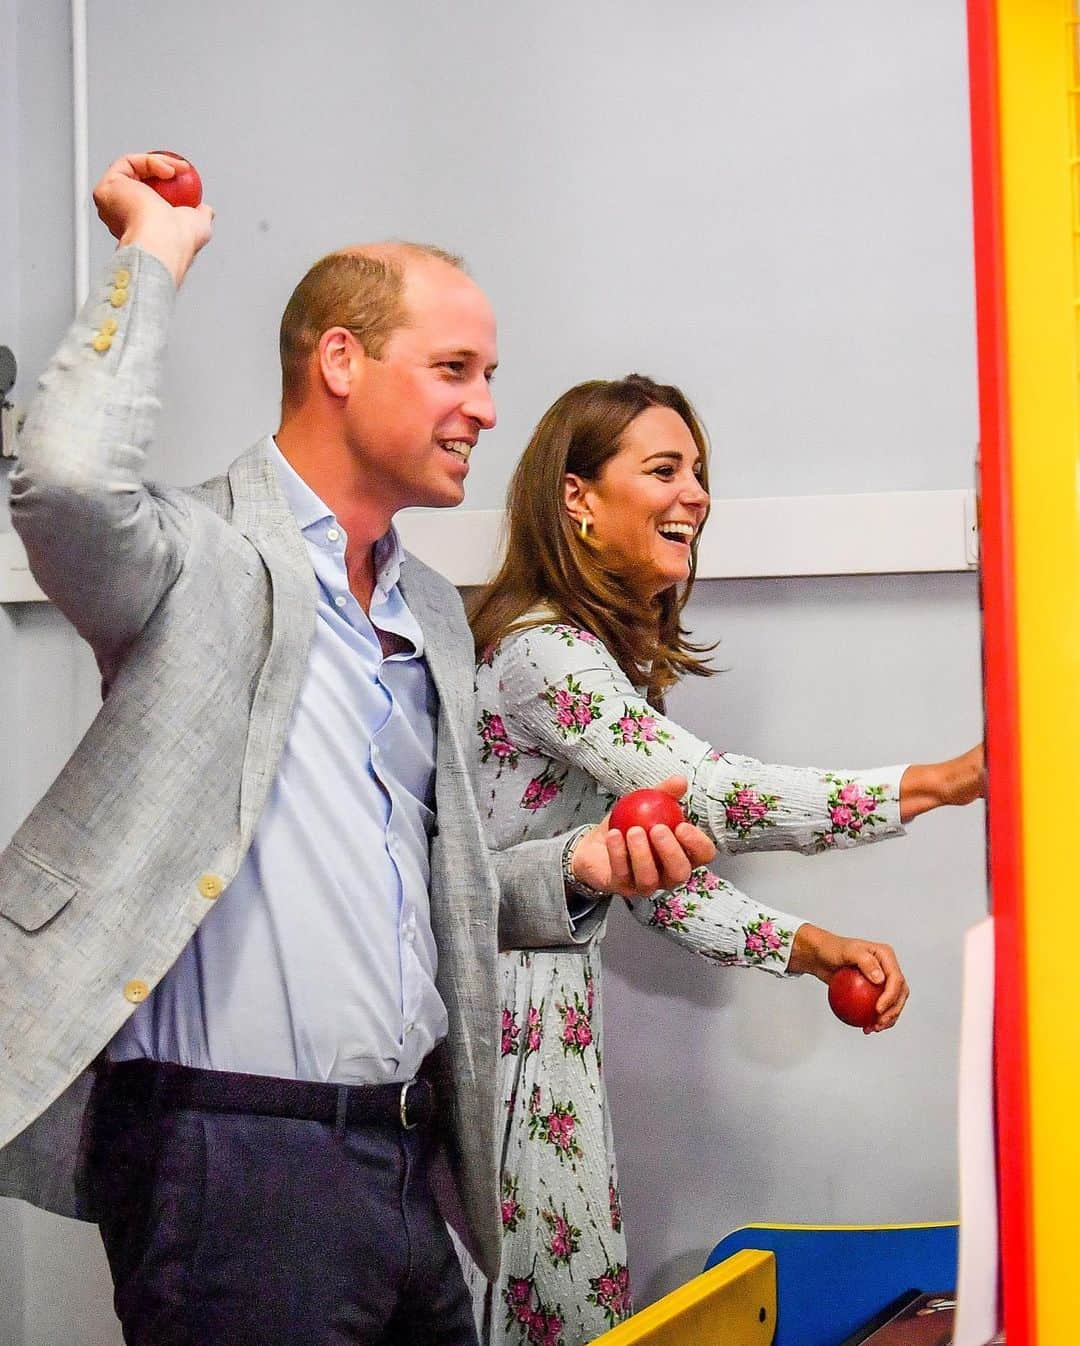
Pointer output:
x,y
175,1087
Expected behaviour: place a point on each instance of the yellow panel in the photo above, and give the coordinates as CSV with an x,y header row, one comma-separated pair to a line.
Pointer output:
x,y
732,1304
1040,116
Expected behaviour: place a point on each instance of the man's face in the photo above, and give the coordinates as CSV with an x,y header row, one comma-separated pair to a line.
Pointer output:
x,y
414,415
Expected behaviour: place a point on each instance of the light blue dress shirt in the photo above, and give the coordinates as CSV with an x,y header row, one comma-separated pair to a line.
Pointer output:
x,y
318,962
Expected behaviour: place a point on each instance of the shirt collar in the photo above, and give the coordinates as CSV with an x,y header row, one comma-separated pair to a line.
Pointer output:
x,y
308,509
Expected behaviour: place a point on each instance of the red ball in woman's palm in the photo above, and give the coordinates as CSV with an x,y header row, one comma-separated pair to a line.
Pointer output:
x,y
853,998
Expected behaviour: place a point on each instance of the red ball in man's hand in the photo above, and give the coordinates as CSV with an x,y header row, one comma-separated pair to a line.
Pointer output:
x,y
183,189
646,808
853,998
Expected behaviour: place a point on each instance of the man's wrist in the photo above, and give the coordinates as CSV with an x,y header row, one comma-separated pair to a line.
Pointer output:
x,y
573,884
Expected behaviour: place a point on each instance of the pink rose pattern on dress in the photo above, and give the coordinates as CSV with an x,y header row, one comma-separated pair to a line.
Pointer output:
x,y
511,1031
577,1031
495,742
764,942
670,910
636,727
746,809
852,811
614,1206
539,1324
534,1028
540,792
611,1292
511,1208
556,1128
564,1239
574,709
570,635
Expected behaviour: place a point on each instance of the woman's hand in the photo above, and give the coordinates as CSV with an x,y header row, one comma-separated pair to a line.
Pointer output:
x,y
626,864
821,953
133,213
960,780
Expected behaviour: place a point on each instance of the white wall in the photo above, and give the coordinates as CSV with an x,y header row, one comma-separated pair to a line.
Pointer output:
x,y
768,204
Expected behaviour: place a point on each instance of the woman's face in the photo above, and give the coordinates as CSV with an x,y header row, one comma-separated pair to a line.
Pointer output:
x,y
647,503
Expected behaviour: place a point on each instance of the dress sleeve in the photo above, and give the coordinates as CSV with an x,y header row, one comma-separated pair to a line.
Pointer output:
x,y
710,917
563,694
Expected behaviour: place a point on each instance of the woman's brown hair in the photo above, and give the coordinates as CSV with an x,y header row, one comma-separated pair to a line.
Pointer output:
x,y
549,567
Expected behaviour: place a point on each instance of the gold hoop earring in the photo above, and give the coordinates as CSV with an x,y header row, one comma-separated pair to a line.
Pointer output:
x,y
583,528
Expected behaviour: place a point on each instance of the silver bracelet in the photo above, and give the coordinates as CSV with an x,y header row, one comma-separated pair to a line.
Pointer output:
x,y
578,886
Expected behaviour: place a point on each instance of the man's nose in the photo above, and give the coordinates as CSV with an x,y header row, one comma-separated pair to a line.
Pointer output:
x,y
480,407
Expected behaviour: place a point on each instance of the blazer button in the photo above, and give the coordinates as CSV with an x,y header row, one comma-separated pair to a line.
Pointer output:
x,y
211,886
136,991
108,327
118,298
122,277
101,342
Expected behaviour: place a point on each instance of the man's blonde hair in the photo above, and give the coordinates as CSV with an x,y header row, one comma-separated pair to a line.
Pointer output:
x,y
361,289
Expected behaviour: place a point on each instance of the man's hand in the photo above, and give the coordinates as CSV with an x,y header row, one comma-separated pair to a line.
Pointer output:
x,y
134,213
627,865
820,952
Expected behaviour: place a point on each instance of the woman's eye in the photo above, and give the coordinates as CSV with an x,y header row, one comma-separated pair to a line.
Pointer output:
x,y
456,367
666,471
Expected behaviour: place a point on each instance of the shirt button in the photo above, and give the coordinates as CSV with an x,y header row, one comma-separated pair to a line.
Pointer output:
x,y
122,277
341,600
332,535
410,1026
136,991
118,298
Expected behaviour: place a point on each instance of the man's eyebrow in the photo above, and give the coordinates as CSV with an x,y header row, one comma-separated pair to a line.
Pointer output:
x,y
462,352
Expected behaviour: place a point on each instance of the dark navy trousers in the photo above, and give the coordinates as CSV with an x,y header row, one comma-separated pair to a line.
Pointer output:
x,y
236,1229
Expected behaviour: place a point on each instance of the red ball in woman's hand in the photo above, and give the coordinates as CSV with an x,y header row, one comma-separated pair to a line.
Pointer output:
x,y
184,188
646,808
853,998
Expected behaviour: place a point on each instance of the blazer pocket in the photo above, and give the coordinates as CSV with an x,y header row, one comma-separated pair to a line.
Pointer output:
x,y
31,892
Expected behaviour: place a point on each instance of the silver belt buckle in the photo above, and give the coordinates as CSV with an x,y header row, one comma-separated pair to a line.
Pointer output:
x,y
406,1125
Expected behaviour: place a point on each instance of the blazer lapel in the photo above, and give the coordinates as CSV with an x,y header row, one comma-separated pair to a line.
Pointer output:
x,y
261,513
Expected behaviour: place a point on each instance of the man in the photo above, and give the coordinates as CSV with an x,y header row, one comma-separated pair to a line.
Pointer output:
x,y
283,750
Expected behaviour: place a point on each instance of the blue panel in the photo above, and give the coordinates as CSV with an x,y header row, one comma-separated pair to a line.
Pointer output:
x,y
829,1281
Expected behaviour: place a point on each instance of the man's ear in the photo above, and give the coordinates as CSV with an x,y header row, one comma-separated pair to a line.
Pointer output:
x,y
338,352
575,496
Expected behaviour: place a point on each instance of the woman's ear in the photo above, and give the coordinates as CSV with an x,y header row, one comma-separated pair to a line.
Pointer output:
x,y
574,496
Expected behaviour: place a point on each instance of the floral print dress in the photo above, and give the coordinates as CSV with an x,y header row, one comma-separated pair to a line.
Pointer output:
x,y
562,733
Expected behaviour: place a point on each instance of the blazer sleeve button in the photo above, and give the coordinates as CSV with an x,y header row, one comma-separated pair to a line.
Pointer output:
x,y
136,991
211,886
101,342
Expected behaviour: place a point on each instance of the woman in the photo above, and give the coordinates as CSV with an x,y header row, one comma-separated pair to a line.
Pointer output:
x,y
579,637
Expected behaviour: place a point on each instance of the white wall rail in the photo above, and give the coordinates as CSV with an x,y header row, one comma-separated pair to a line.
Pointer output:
x,y
892,533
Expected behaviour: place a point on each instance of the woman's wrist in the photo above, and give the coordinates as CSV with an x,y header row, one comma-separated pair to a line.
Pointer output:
x,y
959,780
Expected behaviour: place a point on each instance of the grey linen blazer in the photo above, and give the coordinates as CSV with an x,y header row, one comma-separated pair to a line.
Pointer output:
x,y
200,608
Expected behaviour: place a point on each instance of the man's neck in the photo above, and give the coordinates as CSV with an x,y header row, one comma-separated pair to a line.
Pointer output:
x,y
325,466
